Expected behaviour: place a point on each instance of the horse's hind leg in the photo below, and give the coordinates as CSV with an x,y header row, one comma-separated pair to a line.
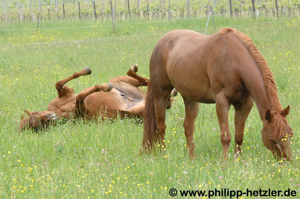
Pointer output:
x,y
134,112
62,90
132,73
191,112
241,113
222,107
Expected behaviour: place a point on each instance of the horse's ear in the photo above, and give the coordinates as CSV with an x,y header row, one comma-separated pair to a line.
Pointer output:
x,y
286,111
268,116
28,112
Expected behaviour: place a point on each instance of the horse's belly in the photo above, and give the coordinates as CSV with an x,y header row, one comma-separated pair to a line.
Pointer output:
x,y
194,86
198,95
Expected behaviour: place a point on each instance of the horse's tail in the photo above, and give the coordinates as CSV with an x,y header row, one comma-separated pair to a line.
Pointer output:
x,y
150,123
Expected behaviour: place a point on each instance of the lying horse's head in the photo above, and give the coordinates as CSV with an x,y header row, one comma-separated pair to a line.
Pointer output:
x,y
277,133
37,120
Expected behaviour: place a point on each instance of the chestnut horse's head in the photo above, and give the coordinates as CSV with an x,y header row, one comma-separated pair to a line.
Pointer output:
x,y
277,133
37,120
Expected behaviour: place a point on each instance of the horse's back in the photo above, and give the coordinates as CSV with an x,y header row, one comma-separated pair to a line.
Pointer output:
x,y
172,42
198,66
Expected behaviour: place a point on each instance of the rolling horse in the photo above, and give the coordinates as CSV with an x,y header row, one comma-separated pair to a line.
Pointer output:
x,y
225,68
121,97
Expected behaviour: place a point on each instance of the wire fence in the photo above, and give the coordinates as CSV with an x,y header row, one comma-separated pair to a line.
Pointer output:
x,y
119,10
93,40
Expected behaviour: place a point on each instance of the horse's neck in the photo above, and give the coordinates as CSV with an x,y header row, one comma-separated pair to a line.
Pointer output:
x,y
254,82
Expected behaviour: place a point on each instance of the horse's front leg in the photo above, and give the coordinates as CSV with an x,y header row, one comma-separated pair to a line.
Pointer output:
x,y
222,107
242,111
62,90
191,112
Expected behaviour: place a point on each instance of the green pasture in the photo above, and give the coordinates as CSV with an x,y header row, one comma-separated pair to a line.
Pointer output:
x,y
101,159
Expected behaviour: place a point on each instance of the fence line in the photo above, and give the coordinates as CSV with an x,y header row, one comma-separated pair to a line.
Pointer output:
x,y
156,9
102,25
110,25
124,37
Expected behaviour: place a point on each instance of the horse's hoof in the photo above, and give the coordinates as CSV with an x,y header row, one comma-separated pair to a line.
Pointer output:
x,y
174,93
134,68
88,70
110,86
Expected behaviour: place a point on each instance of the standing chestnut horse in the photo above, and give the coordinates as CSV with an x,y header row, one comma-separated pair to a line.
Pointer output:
x,y
121,96
225,68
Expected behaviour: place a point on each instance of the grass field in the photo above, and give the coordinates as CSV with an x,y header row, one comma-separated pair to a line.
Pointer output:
x,y
101,160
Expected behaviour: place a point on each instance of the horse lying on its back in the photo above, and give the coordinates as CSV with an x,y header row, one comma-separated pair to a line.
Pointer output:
x,y
120,97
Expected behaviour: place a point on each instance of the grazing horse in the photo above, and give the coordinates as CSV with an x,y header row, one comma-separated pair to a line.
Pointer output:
x,y
120,97
224,68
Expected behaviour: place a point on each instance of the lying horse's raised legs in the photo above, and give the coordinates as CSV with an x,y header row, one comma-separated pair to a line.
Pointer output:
x,y
222,107
63,90
129,85
191,112
80,109
132,73
64,104
242,111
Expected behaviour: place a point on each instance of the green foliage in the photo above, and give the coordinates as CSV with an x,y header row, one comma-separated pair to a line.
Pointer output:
x,y
101,159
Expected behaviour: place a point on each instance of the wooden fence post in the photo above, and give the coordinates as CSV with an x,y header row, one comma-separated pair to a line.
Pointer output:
x,y
148,12
230,8
170,14
138,8
253,8
79,10
22,11
64,13
188,9
161,9
95,14
129,9
112,15
102,10
276,4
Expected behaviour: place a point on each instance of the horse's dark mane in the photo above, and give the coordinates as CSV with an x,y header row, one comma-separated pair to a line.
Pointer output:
x,y
277,122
